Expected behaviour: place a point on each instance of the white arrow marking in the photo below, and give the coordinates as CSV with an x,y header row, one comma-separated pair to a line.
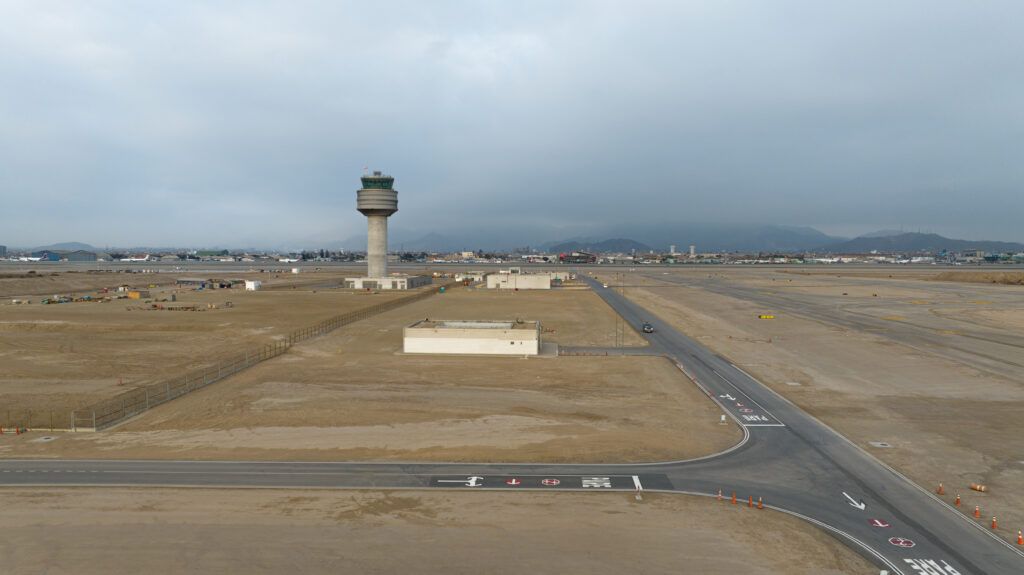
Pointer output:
x,y
861,505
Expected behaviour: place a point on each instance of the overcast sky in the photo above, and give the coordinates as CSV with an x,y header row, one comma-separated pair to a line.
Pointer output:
x,y
248,124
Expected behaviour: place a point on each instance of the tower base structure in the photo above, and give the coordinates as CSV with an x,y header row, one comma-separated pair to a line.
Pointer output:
x,y
389,282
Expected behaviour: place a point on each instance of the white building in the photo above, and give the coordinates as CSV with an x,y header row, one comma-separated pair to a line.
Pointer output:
x,y
471,276
473,337
393,282
518,281
253,285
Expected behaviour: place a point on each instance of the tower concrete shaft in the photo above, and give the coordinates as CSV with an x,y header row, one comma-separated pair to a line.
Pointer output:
x,y
377,200
377,246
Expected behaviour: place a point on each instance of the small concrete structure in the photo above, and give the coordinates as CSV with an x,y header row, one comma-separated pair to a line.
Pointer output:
x,y
471,276
518,281
253,285
473,337
393,282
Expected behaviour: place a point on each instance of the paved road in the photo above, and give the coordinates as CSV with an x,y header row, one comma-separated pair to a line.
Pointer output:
x,y
788,459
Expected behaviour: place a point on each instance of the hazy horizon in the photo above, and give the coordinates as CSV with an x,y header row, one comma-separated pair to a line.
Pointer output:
x,y
239,125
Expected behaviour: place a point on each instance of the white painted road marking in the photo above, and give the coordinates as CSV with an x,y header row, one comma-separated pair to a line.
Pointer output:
x,y
931,567
853,502
902,542
636,483
599,482
879,523
473,481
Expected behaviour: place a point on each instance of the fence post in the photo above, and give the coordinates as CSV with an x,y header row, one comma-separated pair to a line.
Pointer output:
x,y
94,420
74,421
147,397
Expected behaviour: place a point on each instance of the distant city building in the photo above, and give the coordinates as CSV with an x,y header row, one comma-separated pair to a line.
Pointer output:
x,y
693,251
3,251
672,249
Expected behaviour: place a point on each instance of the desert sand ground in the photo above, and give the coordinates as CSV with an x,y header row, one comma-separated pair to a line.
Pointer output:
x,y
114,531
57,358
932,370
352,395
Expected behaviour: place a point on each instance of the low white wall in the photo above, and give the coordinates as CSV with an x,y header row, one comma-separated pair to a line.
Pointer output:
x,y
479,346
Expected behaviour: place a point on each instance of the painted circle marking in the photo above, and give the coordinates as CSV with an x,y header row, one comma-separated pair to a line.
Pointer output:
x,y
549,482
902,542
879,523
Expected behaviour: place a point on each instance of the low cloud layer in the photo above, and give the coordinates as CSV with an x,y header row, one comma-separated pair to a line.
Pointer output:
x,y
234,124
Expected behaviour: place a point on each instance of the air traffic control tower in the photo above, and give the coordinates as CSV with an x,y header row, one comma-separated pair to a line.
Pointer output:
x,y
378,200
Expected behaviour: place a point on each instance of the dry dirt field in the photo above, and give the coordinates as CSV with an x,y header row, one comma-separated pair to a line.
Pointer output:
x,y
62,356
353,395
122,531
930,367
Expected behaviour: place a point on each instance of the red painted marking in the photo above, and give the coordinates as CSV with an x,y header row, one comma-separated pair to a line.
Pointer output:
x,y
902,542
878,523
513,482
550,482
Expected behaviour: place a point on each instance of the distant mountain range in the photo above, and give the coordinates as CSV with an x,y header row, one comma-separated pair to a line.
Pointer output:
x,y
66,247
916,242
707,237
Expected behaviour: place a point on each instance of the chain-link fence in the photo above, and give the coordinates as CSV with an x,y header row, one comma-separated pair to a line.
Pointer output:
x,y
13,420
110,411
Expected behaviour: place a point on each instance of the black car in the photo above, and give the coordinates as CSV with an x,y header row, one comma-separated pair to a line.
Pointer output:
x,y
648,328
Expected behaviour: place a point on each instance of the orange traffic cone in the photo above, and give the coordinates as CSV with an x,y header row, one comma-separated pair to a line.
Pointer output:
x,y
941,490
994,524
719,494
750,501
977,512
17,431
957,502
1020,538
760,504
734,498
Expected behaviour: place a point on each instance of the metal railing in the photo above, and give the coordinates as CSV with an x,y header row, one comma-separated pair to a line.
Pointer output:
x,y
108,412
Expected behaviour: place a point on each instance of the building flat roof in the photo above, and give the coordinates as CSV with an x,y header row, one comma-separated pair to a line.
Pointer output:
x,y
473,324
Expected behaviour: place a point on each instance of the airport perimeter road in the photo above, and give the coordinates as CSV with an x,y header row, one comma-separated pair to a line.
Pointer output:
x,y
789,460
